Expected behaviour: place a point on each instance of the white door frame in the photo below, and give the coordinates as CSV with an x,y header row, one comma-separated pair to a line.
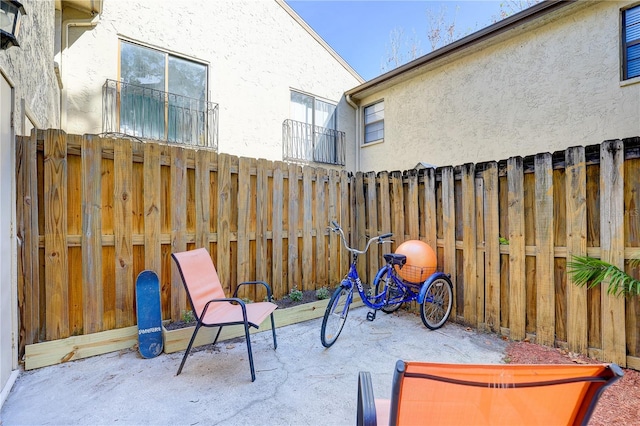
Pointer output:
x,y
8,249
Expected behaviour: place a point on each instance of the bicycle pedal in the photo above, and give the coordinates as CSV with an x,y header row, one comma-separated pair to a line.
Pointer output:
x,y
371,315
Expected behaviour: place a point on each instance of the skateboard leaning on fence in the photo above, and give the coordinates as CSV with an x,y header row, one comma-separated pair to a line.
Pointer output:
x,y
149,314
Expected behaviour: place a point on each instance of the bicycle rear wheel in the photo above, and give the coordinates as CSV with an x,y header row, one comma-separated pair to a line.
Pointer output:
x,y
335,316
436,306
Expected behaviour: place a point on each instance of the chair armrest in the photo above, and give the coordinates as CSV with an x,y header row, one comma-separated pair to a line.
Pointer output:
x,y
366,415
227,300
269,293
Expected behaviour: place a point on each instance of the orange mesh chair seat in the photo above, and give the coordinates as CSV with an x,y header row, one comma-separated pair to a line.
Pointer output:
x,y
210,305
498,394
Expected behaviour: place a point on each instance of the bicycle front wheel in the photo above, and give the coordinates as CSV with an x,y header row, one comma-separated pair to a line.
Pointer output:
x,y
334,316
436,306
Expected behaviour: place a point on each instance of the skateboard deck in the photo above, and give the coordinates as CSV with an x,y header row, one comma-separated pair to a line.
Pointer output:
x,y
149,314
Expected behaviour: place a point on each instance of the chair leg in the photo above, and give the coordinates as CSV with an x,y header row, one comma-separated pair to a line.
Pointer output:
x,y
186,353
246,333
273,331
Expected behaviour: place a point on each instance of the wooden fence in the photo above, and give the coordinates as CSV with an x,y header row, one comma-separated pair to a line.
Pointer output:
x,y
94,212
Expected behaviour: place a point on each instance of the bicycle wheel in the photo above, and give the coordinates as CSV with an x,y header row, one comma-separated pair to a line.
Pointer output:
x,y
436,306
334,316
393,292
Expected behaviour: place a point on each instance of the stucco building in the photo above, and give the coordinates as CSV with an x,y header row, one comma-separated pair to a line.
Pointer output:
x,y
550,77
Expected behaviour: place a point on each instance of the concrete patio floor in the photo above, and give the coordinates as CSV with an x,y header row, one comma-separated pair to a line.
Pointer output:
x,y
301,383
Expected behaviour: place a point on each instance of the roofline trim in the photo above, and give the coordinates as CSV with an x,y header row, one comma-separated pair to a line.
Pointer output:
x,y
486,33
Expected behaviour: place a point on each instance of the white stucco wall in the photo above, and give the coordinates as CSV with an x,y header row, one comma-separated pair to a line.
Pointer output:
x,y
256,53
30,67
544,90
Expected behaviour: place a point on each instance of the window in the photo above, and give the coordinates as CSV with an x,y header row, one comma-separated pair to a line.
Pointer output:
x,y
310,110
165,97
374,122
631,42
311,133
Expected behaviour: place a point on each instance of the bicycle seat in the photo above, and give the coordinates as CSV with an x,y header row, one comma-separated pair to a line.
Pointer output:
x,y
395,259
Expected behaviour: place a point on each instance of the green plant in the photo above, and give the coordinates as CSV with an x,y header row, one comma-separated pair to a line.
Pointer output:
x,y
187,316
591,272
246,300
322,293
295,294
503,241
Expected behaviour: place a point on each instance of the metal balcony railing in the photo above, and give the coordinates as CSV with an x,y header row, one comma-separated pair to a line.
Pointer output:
x,y
308,143
154,114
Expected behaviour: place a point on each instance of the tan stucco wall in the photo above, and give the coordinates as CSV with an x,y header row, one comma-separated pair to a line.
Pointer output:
x,y
30,67
255,50
541,91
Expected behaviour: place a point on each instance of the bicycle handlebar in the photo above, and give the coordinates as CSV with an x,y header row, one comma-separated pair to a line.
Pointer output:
x,y
381,238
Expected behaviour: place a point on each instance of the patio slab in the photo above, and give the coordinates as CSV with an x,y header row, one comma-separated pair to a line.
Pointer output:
x,y
301,383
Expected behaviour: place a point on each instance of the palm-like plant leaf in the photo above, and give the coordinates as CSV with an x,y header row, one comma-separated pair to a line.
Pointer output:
x,y
591,272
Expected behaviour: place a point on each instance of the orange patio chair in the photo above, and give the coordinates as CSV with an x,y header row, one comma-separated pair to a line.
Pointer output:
x,y
210,305
500,394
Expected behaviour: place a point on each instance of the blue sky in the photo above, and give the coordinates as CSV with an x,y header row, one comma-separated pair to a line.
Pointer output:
x,y
360,30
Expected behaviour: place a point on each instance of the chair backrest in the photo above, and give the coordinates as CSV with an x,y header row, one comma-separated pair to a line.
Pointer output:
x,y
504,394
199,277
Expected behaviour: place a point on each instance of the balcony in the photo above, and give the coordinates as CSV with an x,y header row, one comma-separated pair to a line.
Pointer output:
x,y
303,142
153,114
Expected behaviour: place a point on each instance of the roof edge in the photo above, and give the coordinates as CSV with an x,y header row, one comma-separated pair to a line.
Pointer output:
x,y
531,13
319,39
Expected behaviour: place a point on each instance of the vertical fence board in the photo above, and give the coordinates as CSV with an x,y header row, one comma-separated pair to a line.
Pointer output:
x,y
397,207
469,244
334,239
545,291
262,225
517,278
178,226
224,222
27,232
594,294
344,221
92,235
277,233
492,246
321,226
412,209
479,253
576,176
244,204
292,243
152,249
123,233
359,239
449,229
632,241
384,204
612,247
429,208
307,281
55,238
372,213
203,179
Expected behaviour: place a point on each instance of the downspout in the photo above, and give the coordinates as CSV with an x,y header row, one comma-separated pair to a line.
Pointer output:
x,y
357,141
87,22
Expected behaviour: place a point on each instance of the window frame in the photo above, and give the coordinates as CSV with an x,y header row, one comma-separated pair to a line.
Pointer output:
x,y
624,45
314,99
365,124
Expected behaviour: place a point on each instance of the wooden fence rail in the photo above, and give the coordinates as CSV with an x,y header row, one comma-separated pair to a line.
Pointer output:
x,y
93,212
